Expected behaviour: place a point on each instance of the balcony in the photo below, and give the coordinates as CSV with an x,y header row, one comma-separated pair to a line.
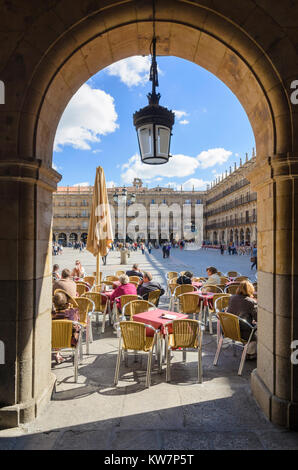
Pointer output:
x,y
231,205
229,190
232,223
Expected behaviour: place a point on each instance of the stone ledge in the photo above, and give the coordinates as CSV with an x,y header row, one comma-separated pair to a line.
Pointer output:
x,y
13,416
29,171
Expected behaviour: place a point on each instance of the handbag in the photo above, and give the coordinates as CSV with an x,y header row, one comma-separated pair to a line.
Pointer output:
x,y
252,259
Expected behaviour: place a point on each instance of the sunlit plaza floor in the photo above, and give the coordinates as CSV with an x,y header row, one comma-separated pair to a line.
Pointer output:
x,y
220,413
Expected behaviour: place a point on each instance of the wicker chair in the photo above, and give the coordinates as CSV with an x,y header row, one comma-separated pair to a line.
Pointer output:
x,y
81,288
136,306
233,274
90,280
101,306
212,288
99,275
172,274
134,279
224,279
241,278
111,278
231,289
86,310
61,339
189,304
180,289
230,325
187,334
133,337
124,299
108,283
220,304
154,296
118,273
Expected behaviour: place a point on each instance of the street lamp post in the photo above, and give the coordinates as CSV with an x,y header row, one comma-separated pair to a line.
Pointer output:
x,y
121,199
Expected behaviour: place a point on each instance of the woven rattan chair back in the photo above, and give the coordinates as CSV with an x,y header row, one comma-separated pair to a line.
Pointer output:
x,y
85,306
185,333
118,273
153,296
99,300
133,335
212,288
221,301
134,279
125,299
183,288
136,306
111,278
189,303
172,274
231,289
61,334
241,278
233,274
90,280
81,288
230,326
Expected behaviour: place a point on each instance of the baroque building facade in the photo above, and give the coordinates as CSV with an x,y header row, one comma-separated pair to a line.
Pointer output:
x,y
229,211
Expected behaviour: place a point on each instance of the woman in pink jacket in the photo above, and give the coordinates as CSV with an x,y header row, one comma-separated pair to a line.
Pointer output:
x,y
125,288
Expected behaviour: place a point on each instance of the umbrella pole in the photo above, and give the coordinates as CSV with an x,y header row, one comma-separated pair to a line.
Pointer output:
x,y
97,269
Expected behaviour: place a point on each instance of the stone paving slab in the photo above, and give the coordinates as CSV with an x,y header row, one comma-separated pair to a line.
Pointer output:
x,y
220,413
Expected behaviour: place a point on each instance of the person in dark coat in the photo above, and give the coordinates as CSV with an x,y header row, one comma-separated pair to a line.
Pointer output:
x,y
185,278
148,285
135,271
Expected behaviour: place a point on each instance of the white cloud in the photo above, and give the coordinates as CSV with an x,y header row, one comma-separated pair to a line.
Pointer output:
x,y
89,114
178,166
185,121
82,184
197,183
132,71
179,114
212,157
111,184
96,151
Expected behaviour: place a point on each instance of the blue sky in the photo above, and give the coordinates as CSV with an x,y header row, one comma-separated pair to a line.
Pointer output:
x,y
211,129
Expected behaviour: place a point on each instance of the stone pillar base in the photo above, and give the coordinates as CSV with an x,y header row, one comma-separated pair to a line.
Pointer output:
x,y
281,412
13,416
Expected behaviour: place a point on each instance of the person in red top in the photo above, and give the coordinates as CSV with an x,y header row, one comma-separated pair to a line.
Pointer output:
x,y
125,288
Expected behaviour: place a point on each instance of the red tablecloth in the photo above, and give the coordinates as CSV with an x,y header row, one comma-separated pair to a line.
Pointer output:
x,y
154,318
207,298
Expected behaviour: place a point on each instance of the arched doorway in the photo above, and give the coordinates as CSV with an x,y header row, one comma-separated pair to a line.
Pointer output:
x,y
241,236
73,238
236,237
249,48
84,237
62,239
247,236
231,236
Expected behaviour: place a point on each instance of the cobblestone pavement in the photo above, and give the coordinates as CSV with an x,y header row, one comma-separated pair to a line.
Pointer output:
x,y
220,413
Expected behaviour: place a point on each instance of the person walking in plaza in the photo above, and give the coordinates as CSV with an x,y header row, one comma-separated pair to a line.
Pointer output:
x,y
254,256
222,249
168,249
149,248
164,250
142,246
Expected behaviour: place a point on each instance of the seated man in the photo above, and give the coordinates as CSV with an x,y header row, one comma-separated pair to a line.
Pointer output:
x,y
135,271
186,278
213,277
66,283
147,285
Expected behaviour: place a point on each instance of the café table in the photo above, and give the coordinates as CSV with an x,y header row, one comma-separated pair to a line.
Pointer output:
x,y
157,319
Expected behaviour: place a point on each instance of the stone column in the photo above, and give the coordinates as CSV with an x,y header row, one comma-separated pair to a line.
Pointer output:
x,y
26,381
275,381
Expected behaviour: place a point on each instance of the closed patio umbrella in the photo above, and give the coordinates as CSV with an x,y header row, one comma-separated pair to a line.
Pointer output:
x,y
100,234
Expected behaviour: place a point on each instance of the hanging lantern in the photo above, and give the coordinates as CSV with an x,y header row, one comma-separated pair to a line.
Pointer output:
x,y
154,123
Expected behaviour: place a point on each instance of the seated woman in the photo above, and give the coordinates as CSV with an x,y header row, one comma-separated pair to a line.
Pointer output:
x,y
66,308
125,288
213,278
185,278
78,271
55,273
245,306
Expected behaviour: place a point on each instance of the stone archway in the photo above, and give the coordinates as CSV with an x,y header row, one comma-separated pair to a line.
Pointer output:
x,y
250,47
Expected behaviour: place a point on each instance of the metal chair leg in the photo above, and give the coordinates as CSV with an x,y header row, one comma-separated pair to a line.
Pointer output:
x,y
148,375
117,368
218,351
242,359
103,321
210,322
184,355
200,365
76,361
168,371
